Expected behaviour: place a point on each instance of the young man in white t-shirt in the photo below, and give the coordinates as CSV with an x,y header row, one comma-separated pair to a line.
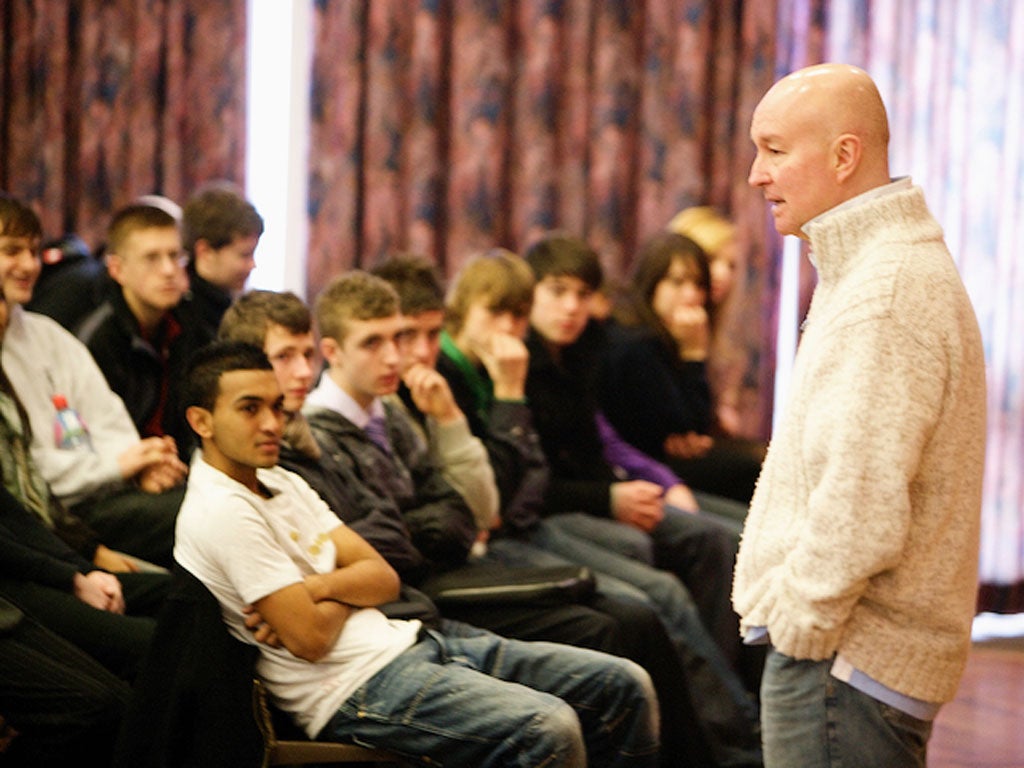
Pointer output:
x,y
294,580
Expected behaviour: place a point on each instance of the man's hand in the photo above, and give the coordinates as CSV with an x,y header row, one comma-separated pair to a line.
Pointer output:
x,y
681,497
507,361
262,631
431,393
688,446
637,503
99,589
112,561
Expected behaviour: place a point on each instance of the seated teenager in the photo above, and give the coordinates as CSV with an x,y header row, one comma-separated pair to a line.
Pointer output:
x,y
303,587
128,489
221,231
136,335
654,388
602,488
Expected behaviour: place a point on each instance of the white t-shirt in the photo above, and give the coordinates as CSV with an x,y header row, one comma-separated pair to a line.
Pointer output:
x,y
244,547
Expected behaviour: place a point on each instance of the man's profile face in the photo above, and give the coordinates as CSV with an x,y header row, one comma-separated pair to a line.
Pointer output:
x,y
227,267
423,339
150,267
19,266
246,423
791,166
293,356
368,362
561,308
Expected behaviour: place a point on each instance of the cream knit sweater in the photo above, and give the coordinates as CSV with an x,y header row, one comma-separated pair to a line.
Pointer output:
x,y
862,537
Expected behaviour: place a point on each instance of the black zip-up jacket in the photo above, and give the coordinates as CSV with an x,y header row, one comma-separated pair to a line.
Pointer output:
x,y
513,448
439,522
135,368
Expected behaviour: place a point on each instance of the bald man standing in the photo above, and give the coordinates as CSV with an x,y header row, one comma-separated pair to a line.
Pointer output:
x,y
858,562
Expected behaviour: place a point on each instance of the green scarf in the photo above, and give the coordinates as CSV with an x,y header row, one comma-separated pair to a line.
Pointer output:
x,y
481,386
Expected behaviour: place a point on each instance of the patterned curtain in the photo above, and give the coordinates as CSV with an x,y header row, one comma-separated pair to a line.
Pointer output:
x,y
448,126
105,100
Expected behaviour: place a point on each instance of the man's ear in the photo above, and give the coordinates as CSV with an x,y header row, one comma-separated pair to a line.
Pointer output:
x,y
846,155
201,421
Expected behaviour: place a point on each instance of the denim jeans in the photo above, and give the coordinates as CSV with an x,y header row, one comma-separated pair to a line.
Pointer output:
x,y
811,719
463,696
726,711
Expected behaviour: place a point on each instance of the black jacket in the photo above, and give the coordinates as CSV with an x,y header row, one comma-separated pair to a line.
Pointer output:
x,y
513,448
192,703
648,392
439,522
204,306
145,375
563,398
29,551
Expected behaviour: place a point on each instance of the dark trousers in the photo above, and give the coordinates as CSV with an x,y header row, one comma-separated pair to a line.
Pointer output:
x,y
572,624
118,642
136,522
65,706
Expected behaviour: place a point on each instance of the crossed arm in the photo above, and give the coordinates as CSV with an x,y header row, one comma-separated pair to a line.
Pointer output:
x,y
307,617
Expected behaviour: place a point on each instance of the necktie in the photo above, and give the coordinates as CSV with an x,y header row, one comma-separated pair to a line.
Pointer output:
x,y
377,430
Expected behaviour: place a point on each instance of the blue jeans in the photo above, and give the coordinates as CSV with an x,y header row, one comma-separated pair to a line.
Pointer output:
x,y
728,715
463,696
811,719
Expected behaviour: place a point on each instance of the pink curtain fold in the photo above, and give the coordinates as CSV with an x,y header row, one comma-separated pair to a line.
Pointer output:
x,y
105,100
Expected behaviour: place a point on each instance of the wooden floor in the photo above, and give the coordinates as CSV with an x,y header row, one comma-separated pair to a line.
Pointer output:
x,y
984,726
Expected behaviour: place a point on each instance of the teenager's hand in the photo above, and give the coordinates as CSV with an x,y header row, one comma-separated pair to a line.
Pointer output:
x,y
112,561
637,503
7,734
688,446
431,393
150,453
99,589
507,361
261,631
681,497
689,327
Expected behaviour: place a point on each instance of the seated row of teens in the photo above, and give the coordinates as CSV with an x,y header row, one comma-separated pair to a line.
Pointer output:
x,y
444,437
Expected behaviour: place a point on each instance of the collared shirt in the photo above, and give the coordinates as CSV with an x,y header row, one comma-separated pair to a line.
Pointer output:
x,y
329,395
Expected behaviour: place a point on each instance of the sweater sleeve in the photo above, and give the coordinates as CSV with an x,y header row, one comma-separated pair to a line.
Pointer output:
x,y
464,464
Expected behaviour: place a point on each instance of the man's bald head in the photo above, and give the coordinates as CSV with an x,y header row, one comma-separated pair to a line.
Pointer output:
x,y
823,128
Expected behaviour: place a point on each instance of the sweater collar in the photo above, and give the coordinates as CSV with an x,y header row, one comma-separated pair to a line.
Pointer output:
x,y
839,236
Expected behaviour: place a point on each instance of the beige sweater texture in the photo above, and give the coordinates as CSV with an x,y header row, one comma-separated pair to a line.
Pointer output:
x,y
862,537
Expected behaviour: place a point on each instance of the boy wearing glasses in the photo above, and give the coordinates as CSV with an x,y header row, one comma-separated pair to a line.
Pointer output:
x,y
136,335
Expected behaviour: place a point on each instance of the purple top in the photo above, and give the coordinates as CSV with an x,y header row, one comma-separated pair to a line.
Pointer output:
x,y
635,463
